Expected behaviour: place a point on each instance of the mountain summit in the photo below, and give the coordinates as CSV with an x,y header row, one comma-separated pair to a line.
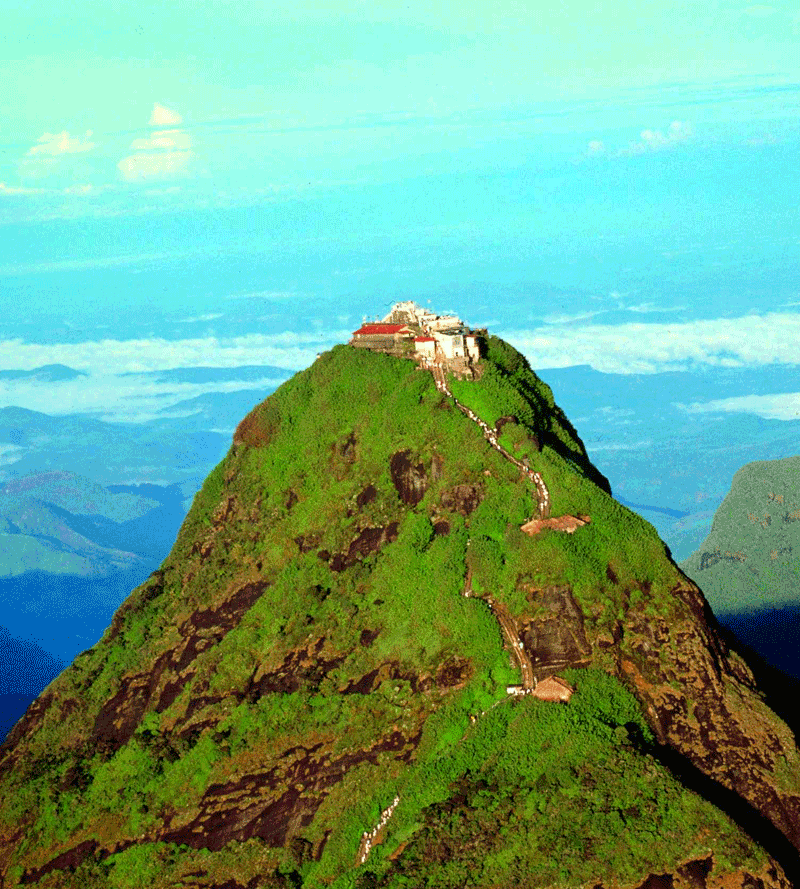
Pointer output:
x,y
405,638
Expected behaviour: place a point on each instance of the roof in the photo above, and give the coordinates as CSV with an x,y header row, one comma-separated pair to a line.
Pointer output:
x,y
554,688
424,339
378,329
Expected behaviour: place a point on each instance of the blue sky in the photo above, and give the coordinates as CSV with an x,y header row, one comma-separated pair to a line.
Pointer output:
x,y
224,184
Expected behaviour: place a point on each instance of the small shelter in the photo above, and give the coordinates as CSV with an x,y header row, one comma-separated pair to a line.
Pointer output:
x,y
553,689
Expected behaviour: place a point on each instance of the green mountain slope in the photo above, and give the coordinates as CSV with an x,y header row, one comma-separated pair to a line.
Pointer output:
x,y
751,558
313,689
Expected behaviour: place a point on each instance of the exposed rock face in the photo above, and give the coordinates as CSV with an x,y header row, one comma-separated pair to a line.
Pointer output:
x,y
410,480
329,641
556,637
709,718
463,499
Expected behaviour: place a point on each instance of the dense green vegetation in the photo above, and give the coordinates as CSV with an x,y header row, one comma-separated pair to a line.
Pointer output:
x,y
751,557
360,646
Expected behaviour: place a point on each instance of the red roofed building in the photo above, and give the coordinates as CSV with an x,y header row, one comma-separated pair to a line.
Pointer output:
x,y
382,337
379,329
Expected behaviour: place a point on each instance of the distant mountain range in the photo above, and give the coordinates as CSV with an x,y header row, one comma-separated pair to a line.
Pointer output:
x,y
48,373
89,508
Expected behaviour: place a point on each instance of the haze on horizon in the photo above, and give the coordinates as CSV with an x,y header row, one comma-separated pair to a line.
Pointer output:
x,y
226,185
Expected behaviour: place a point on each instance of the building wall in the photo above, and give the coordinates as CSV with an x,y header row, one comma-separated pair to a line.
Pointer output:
x,y
381,343
452,345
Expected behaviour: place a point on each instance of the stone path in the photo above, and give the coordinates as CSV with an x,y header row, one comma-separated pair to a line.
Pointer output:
x,y
369,837
509,627
490,434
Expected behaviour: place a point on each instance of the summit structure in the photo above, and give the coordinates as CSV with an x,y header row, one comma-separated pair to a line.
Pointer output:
x,y
410,331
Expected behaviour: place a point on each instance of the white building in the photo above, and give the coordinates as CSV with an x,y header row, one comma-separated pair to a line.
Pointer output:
x,y
451,343
425,346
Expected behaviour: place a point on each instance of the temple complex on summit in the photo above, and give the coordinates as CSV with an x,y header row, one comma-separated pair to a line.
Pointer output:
x,y
409,331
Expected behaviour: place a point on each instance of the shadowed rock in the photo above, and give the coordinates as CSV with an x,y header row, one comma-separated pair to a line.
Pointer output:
x,y
410,480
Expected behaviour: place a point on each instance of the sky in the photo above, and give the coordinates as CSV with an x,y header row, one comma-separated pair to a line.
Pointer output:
x,y
225,184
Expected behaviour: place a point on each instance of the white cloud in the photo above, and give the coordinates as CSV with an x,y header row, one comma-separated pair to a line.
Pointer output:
x,y
147,165
81,190
265,294
759,11
212,316
54,144
757,141
164,117
19,190
785,406
84,189
127,399
748,341
650,309
99,262
164,154
288,349
9,453
171,140
655,140
631,446
595,148
569,319
112,395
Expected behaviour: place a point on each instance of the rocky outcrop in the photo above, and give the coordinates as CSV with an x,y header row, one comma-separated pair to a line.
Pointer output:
x,y
410,479
556,637
702,707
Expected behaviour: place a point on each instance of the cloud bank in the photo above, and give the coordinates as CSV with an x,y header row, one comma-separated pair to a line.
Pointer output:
x,y
163,154
747,341
784,406
678,132
54,144
107,393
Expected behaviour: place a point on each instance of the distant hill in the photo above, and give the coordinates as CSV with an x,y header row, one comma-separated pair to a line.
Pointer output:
x,y
64,523
244,373
220,411
48,373
749,565
108,453
666,458
71,549
751,558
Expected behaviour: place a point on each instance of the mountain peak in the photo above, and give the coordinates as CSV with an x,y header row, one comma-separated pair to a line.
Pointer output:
x,y
332,680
